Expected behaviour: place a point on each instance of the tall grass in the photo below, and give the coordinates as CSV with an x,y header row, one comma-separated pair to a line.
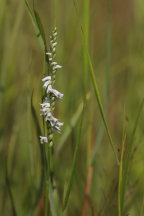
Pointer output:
x,y
102,57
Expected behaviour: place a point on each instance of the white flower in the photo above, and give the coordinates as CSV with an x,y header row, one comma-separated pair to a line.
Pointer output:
x,y
46,78
55,34
45,108
43,140
57,67
54,63
45,105
45,111
56,93
51,119
47,81
46,84
57,126
49,54
53,44
48,116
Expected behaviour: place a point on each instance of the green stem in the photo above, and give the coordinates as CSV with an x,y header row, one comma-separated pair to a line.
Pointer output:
x,y
47,176
66,198
121,173
85,44
55,12
130,148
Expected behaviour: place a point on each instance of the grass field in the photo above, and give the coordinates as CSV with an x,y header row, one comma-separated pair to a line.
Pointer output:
x,y
96,165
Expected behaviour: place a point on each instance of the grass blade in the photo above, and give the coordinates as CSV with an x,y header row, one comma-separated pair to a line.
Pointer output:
x,y
124,180
107,75
142,208
10,193
51,200
73,165
29,9
70,126
96,90
55,12
98,98
37,25
85,43
9,45
40,27
121,173
39,192
7,178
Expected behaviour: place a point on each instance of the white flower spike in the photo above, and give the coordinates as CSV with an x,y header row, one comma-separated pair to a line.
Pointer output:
x,y
47,107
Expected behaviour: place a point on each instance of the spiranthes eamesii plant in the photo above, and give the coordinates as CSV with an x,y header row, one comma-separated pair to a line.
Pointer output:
x,y
47,108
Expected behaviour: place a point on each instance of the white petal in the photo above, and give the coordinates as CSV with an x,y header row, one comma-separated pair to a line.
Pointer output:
x,y
55,34
45,104
46,78
54,63
53,121
47,100
57,94
54,44
49,87
43,139
47,83
57,127
57,67
49,53
59,124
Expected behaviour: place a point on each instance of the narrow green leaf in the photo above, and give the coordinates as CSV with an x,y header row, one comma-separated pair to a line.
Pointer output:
x,y
70,126
10,193
52,204
29,9
121,173
107,76
73,164
142,208
39,191
96,90
10,44
36,27
55,11
98,98
40,27
34,115
7,180
130,148
85,44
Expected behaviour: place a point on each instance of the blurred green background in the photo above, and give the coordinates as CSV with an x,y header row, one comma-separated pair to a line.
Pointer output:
x,y
21,63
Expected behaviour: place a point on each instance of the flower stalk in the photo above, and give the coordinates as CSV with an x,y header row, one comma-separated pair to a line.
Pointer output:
x,y
47,108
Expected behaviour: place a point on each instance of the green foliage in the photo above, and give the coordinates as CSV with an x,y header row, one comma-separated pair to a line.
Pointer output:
x,y
73,164
102,56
